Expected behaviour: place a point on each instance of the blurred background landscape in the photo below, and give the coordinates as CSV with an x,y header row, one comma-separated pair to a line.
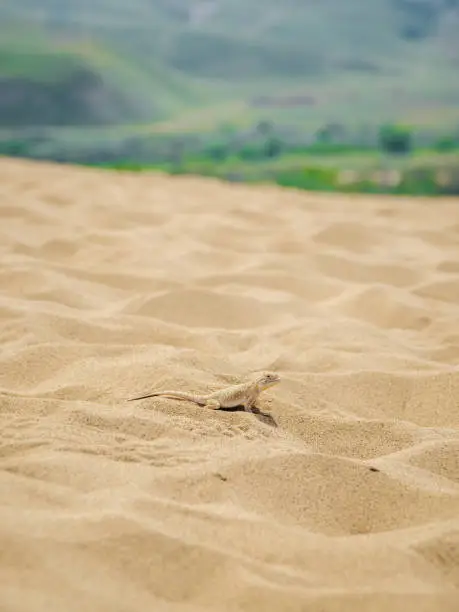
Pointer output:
x,y
356,95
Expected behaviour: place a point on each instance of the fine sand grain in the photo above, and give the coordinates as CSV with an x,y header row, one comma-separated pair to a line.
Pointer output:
x,y
343,496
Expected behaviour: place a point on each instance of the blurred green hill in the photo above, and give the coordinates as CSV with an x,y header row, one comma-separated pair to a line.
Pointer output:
x,y
198,62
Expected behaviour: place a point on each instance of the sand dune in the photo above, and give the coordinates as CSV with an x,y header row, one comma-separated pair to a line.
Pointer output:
x,y
341,495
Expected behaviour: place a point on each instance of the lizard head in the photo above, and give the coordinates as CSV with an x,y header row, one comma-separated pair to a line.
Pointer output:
x,y
267,379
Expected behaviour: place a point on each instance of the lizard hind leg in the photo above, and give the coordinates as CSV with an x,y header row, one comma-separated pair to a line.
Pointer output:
x,y
213,404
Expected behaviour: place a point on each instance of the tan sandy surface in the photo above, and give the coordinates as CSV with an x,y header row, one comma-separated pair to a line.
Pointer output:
x,y
346,498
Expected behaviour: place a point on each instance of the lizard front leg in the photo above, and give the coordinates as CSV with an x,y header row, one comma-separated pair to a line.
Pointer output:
x,y
213,404
249,404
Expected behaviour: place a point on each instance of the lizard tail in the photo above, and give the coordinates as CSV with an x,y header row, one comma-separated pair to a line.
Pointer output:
x,y
197,399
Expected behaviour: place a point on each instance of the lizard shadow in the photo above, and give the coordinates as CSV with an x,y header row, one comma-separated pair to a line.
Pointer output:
x,y
264,417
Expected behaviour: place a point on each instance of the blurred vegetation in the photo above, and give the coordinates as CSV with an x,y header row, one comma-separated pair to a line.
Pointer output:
x,y
381,159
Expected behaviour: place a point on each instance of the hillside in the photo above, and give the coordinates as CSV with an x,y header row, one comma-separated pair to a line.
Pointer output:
x,y
327,59
54,81
50,89
231,38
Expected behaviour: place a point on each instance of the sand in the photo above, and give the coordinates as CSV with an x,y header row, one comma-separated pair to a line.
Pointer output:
x,y
341,495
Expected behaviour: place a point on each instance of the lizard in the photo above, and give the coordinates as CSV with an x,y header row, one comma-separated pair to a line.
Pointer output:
x,y
243,394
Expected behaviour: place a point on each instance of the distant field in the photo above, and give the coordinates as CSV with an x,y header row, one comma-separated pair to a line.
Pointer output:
x,y
423,172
